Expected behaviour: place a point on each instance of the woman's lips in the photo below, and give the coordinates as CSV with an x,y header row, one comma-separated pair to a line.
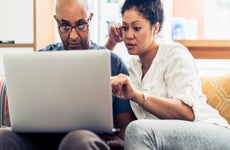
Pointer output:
x,y
130,46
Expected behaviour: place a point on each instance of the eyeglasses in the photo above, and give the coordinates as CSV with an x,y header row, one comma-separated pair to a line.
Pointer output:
x,y
68,28
78,28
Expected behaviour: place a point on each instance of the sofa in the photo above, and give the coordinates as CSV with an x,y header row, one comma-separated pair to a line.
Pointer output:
x,y
216,88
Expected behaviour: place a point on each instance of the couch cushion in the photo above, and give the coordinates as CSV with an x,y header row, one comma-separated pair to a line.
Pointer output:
x,y
217,90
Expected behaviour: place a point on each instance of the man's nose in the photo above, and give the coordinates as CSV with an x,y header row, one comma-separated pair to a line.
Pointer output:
x,y
73,34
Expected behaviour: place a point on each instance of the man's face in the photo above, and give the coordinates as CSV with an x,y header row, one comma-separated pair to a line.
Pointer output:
x,y
73,26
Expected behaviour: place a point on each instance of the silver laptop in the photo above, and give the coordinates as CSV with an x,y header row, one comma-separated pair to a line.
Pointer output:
x,y
59,91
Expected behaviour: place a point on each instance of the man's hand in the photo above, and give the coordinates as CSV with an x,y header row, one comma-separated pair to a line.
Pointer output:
x,y
113,141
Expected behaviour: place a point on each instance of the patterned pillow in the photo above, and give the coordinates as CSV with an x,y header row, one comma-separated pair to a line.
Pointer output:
x,y
217,90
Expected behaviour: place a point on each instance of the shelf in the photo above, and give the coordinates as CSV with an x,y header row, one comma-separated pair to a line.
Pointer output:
x,y
17,45
208,49
205,43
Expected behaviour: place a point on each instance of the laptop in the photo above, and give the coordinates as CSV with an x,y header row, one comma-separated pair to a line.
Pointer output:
x,y
59,91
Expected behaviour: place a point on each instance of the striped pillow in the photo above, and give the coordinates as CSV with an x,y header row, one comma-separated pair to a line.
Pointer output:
x,y
4,112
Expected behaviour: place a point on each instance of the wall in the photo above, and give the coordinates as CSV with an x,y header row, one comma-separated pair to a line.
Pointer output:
x,y
191,9
44,23
16,20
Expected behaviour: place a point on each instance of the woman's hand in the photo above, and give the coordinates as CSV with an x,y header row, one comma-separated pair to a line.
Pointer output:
x,y
122,87
115,36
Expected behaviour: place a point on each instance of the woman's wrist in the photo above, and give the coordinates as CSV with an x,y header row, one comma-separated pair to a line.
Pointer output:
x,y
144,100
110,45
140,98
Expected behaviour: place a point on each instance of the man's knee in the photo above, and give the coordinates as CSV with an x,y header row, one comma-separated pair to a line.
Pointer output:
x,y
82,139
82,136
10,140
5,136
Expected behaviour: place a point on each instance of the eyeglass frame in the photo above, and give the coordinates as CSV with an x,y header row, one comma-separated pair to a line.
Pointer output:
x,y
75,27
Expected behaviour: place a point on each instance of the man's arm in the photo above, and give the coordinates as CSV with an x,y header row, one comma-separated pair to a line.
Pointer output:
x,y
121,121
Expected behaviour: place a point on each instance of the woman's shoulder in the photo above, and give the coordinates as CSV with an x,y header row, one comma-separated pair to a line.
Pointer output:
x,y
173,49
172,46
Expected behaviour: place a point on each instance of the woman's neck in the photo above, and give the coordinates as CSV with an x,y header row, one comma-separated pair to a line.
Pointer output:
x,y
147,58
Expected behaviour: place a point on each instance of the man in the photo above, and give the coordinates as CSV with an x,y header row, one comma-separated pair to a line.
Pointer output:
x,y
73,19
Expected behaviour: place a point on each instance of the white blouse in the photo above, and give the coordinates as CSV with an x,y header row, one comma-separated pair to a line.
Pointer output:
x,y
173,74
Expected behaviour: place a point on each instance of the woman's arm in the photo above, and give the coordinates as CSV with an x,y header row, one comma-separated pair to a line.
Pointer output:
x,y
164,108
115,36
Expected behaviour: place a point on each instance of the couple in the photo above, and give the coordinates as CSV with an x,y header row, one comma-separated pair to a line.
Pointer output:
x,y
163,87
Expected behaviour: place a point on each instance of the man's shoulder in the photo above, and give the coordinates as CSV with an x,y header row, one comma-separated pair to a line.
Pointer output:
x,y
114,57
96,46
53,47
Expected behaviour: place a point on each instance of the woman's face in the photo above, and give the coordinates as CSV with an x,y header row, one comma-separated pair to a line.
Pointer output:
x,y
138,34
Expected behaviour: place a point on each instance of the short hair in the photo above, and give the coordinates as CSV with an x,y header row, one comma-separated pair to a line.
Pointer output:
x,y
151,10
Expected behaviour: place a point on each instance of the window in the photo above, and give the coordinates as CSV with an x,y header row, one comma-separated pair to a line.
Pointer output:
x,y
217,20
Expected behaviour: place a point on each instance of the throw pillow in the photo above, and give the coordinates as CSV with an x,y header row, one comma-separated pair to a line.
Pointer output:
x,y
217,90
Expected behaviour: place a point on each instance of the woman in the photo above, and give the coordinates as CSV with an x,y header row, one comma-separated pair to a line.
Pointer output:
x,y
164,88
